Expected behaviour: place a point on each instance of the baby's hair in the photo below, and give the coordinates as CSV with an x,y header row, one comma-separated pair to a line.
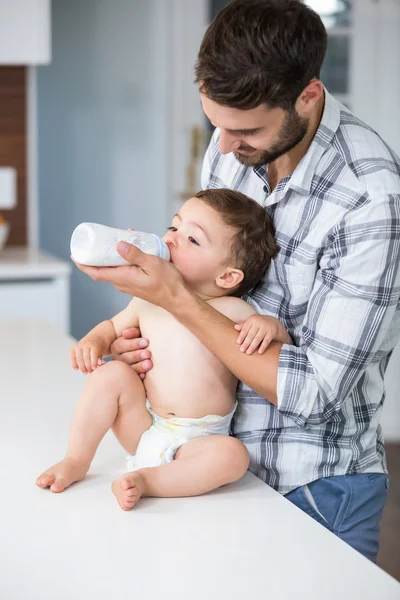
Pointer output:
x,y
254,245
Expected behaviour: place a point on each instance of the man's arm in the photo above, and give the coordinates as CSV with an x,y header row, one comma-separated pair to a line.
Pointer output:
x,y
234,308
349,322
352,319
160,283
216,331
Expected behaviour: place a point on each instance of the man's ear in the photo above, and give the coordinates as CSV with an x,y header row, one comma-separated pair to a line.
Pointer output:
x,y
230,278
309,97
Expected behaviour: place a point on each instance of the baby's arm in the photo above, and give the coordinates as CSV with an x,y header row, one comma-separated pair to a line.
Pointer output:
x,y
88,353
256,331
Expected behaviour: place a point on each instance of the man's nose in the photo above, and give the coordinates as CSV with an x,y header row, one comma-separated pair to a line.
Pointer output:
x,y
227,142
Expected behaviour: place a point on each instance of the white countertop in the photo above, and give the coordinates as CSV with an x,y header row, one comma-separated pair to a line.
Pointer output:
x,y
18,262
243,542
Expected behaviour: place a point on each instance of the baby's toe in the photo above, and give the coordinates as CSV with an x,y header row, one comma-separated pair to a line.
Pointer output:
x,y
59,485
45,480
127,503
126,483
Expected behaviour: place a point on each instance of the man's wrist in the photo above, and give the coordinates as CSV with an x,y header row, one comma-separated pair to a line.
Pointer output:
x,y
179,303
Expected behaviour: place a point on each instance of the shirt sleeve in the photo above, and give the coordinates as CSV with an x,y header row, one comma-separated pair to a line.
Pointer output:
x,y
352,318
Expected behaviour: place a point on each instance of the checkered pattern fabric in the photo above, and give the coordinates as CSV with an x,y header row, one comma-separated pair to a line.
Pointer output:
x,y
335,286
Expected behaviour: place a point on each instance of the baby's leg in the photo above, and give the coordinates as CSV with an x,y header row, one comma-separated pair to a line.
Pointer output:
x,y
113,396
201,465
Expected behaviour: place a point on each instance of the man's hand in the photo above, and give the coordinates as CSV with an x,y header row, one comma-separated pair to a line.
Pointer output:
x,y
148,277
130,348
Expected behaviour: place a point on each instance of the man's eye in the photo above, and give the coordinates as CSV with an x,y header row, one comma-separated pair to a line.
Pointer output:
x,y
172,229
193,241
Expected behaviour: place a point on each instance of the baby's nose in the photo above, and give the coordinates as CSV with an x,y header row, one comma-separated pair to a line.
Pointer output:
x,y
169,240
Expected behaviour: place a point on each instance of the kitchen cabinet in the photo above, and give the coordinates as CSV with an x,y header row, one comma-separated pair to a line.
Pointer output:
x,y
34,284
25,32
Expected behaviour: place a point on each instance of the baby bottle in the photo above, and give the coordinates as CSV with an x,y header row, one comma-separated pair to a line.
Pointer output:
x,y
95,245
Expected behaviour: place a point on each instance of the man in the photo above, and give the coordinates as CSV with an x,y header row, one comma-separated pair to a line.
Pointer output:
x,y
309,413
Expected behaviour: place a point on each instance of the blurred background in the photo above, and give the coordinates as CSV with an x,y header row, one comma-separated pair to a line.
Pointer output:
x,y
100,121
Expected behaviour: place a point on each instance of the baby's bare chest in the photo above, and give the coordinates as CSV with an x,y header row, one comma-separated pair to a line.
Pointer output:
x,y
186,378
166,335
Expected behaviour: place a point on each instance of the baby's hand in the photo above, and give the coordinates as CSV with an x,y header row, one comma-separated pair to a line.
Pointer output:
x,y
86,356
258,331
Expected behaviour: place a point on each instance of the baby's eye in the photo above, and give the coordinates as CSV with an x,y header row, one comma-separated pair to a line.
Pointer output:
x,y
193,241
172,229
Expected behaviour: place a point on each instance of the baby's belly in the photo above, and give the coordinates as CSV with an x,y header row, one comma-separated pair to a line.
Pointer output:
x,y
186,393
186,379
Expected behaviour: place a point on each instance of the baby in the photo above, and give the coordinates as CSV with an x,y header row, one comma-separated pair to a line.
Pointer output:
x,y
176,422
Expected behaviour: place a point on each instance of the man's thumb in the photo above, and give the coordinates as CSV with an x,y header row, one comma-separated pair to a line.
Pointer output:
x,y
130,253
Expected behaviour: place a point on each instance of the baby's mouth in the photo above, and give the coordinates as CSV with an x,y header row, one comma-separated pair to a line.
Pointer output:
x,y
170,252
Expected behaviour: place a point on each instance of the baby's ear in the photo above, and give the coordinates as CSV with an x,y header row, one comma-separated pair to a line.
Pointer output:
x,y
230,278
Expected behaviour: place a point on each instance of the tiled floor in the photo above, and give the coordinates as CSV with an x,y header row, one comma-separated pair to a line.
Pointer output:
x,y
389,555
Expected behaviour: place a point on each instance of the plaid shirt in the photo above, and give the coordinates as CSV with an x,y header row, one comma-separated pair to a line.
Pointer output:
x,y
335,286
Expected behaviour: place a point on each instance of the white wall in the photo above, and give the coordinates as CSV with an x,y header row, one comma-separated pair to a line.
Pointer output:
x,y
102,132
375,73
187,23
376,99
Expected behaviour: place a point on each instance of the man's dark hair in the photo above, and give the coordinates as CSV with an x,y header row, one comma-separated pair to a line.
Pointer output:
x,y
253,245
261,52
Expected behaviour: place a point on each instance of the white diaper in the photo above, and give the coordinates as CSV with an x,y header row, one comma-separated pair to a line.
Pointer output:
x,y
159,444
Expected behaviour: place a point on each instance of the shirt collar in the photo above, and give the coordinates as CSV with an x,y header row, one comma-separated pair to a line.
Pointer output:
x,y
302,176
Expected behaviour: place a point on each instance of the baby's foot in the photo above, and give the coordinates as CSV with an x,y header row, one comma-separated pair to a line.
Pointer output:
x,y
61,475
128,489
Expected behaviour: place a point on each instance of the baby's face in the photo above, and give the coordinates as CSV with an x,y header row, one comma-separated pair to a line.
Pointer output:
x,y
199,243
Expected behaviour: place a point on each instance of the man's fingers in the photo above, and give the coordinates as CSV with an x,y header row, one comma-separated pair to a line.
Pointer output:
x,y
91,271
131,333
115,275
131,253
142,367
135,357
122,346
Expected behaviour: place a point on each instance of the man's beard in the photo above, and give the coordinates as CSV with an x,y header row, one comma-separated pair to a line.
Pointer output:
x,y
292,132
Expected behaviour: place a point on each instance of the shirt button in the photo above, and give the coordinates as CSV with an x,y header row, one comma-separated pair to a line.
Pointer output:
x,y
265,189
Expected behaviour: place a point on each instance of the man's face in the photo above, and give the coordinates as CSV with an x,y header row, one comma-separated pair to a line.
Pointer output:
x,y
257,136
199,243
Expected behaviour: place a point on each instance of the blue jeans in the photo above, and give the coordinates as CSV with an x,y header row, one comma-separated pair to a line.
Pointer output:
x,y
350,506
